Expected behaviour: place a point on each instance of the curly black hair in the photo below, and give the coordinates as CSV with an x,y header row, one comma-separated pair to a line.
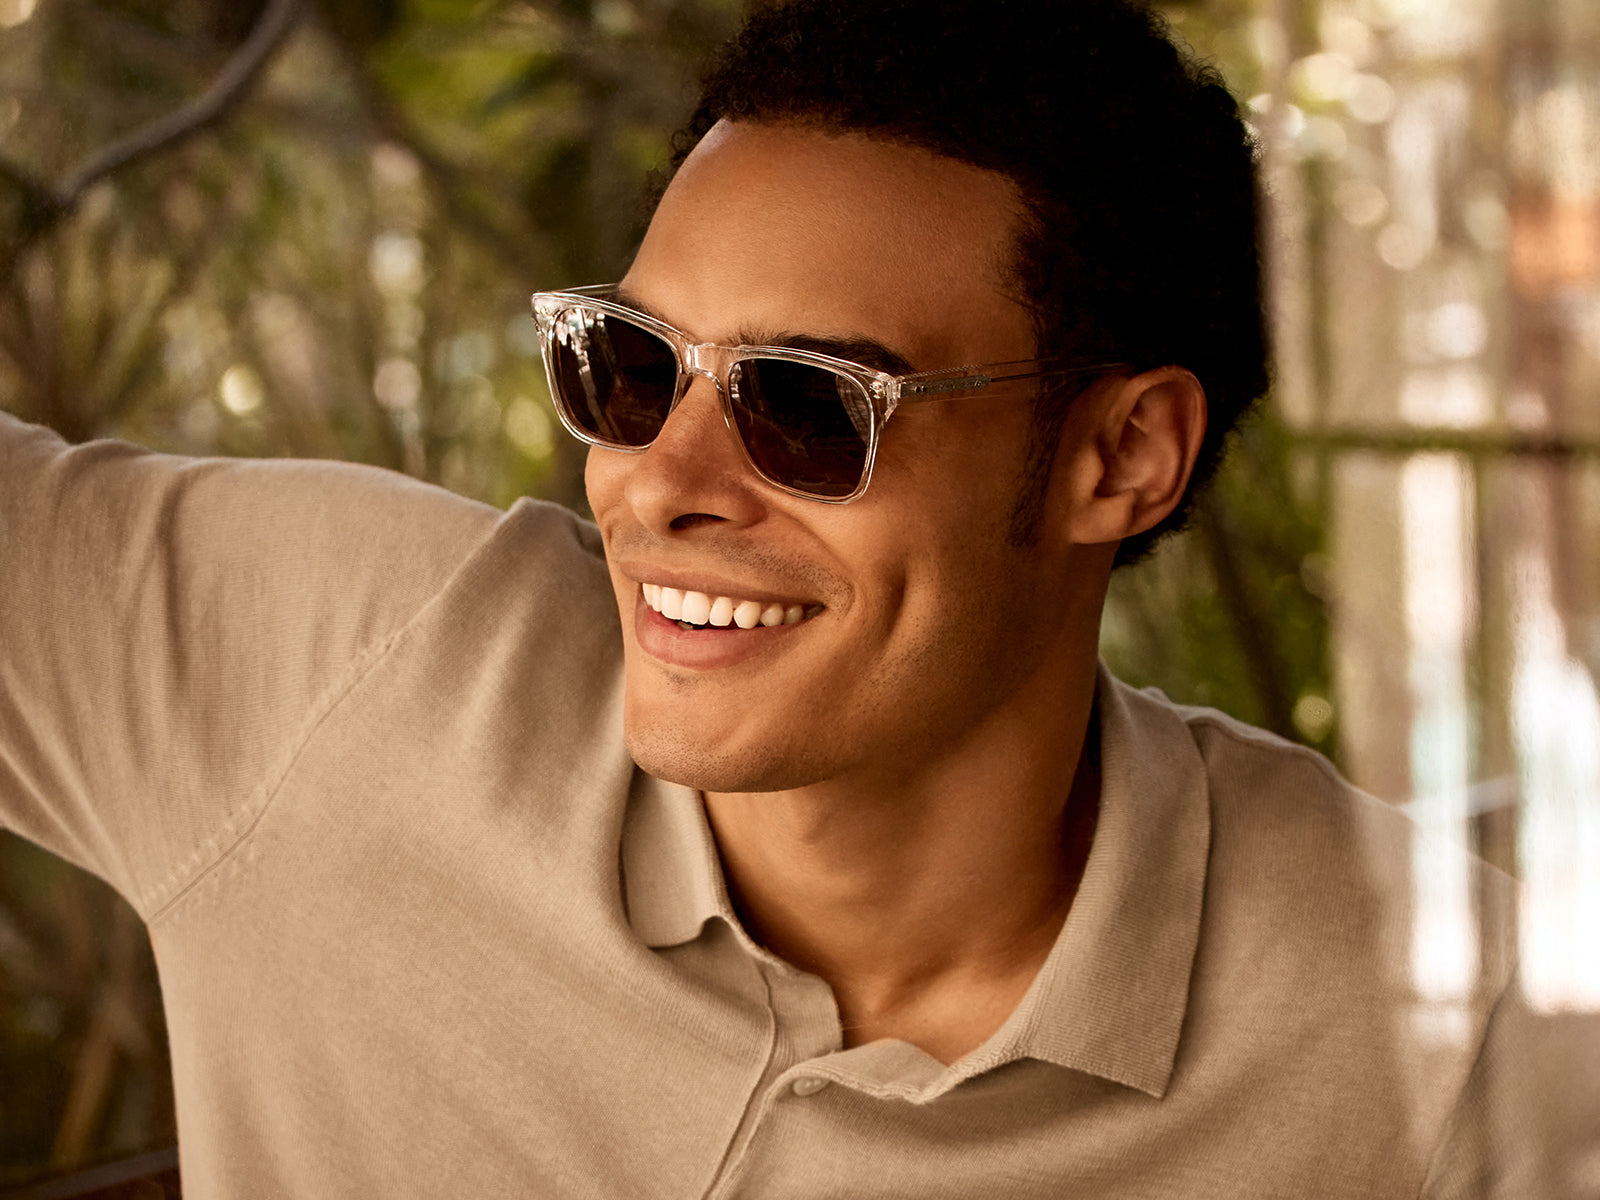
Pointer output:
x,y
1140,234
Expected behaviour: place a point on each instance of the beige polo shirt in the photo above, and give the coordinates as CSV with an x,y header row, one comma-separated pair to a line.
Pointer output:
x,y
351,746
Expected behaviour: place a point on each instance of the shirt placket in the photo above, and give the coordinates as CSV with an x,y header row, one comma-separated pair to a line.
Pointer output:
x,y
806,1028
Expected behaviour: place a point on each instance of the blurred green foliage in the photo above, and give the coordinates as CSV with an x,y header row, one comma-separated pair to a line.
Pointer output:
x,y
1233,613
339,267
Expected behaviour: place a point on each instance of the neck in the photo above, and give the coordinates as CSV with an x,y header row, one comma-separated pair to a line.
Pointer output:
x,y
928,903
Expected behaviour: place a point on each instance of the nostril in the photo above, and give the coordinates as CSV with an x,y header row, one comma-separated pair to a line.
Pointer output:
x,y
690,520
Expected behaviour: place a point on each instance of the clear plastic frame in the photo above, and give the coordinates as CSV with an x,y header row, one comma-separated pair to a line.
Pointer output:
x,y
808,423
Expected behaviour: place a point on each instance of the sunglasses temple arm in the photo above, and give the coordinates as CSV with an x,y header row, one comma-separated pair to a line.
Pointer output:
x,y
1062,372
949,389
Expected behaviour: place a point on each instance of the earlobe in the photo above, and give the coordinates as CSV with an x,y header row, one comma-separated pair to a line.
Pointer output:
x,y
1134,461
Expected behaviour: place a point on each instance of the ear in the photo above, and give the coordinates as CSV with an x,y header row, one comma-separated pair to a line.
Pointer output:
x,y
1130,458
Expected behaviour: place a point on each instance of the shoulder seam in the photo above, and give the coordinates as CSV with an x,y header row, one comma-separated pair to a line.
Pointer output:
x,y
230,836
236,830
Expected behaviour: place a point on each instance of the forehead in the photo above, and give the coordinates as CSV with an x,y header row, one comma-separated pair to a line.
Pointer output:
x,y
788,229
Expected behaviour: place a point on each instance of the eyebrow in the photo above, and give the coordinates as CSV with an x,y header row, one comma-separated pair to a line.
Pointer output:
x,y
864,351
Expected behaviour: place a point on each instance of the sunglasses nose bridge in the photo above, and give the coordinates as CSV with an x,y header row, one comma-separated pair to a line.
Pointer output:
x,y
708,361
703,359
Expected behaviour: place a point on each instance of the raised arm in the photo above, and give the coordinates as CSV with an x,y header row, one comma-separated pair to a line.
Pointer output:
x,y
170,627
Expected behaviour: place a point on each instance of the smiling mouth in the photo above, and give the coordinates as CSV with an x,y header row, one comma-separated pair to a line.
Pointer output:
x,y
700,610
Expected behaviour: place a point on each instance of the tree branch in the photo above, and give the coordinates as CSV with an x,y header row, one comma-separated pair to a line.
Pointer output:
x,y
47,204
200,113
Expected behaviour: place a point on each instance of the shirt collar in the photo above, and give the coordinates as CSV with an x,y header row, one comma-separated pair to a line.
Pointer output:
x,y
672,877
1111,996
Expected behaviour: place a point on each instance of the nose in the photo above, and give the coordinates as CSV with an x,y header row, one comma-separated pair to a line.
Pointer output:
x,y
695,471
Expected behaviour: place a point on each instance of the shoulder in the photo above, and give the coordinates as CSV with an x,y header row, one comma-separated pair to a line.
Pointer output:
x,y
1324,903
1355,981
1285,821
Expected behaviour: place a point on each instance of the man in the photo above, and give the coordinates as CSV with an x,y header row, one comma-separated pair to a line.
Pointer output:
x,y
836,867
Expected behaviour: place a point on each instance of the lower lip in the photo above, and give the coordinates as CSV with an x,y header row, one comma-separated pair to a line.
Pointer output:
x,y
703,649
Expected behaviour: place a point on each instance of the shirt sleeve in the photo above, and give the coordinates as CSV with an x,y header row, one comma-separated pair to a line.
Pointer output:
x,y
171,628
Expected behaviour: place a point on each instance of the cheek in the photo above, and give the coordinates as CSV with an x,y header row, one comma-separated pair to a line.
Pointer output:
x,y
966,457
957,645
603,475
602,479
955,593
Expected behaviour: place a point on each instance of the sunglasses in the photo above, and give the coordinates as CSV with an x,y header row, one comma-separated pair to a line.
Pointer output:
x,y
809,423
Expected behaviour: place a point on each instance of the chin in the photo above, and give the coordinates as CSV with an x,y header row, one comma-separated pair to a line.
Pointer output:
x,y
678,756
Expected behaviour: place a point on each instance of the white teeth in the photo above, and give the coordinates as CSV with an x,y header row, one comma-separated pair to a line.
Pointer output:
x,y
696,608
748,614
702,608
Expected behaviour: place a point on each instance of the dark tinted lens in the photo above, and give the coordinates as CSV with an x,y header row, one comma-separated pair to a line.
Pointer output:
x,y
614,379
804,426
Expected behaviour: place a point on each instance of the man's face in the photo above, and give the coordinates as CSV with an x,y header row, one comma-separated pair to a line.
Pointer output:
x,y
922,622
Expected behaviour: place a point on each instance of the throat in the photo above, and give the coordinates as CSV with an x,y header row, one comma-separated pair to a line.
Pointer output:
x,y
946,1021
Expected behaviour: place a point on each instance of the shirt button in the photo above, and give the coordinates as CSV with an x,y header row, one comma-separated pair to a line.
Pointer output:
x,y
809,1085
